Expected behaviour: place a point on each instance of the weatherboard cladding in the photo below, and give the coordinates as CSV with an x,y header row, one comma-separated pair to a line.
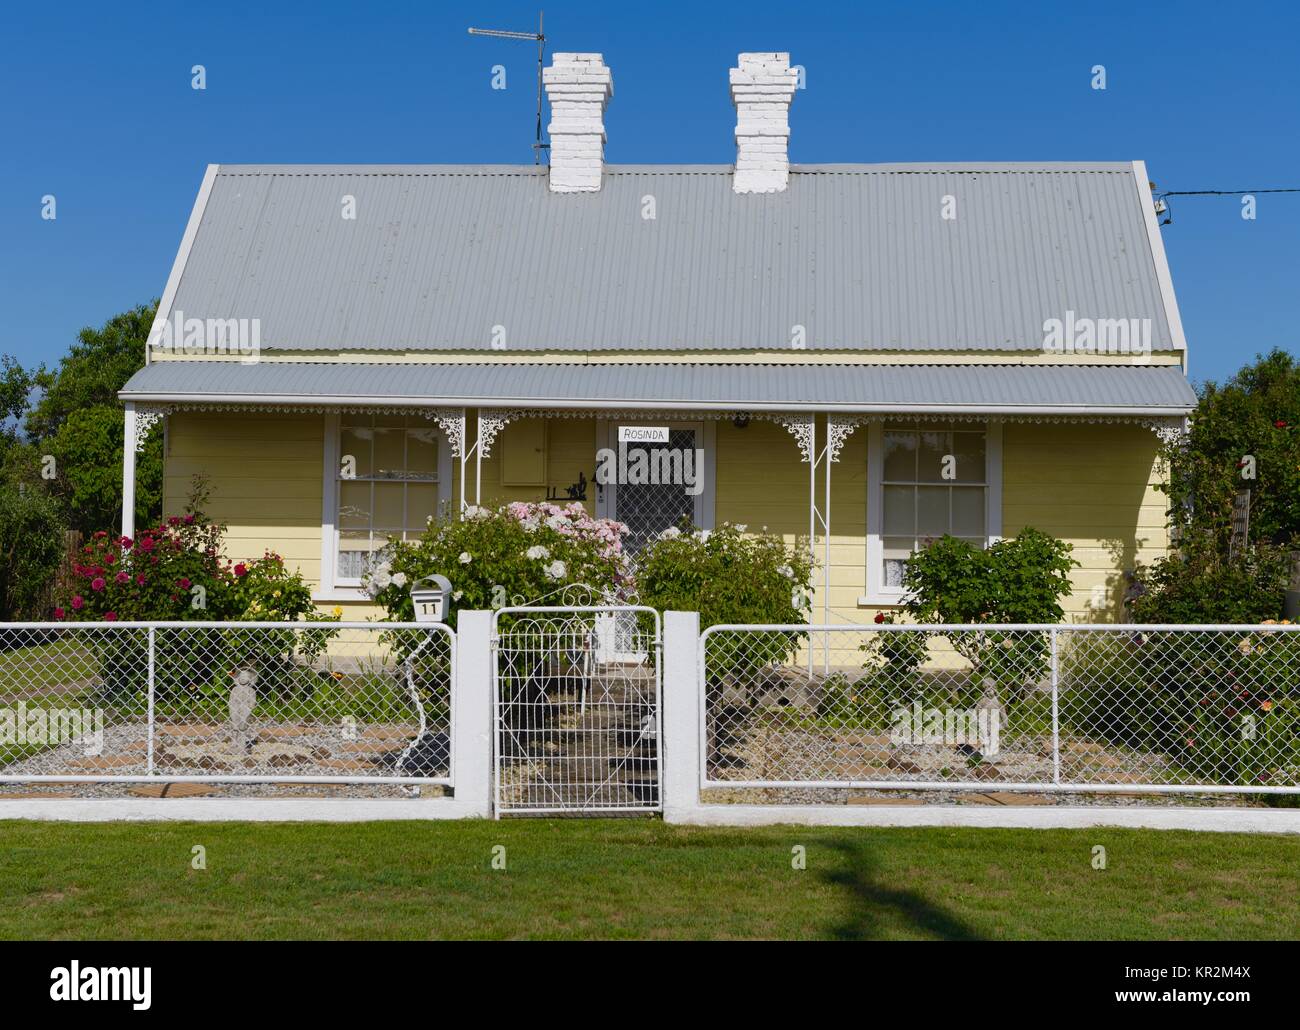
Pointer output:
x,y
1150,389
858,255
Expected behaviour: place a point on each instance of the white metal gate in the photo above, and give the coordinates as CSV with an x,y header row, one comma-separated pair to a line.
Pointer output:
x,y
577,728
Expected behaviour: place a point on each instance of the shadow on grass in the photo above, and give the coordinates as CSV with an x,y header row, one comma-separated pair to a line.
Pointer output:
x,y
876,912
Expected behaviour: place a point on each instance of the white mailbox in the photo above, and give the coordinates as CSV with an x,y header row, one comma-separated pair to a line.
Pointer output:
x,y
430,597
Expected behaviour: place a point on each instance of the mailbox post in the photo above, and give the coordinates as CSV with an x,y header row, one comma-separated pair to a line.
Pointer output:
x,y
430,597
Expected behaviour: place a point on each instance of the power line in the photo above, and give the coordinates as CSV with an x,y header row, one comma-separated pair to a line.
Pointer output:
x,y
1225,193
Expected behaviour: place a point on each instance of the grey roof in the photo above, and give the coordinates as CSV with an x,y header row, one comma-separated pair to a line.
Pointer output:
x,y
858,255
1146,390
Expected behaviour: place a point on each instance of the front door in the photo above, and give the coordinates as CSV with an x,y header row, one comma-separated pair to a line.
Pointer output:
x,y
658,484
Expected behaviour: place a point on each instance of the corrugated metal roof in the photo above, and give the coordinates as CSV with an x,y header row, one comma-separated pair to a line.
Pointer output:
x,y
1153,389
856,254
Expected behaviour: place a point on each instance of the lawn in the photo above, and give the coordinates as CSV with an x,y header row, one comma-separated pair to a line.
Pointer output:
x,y
625,878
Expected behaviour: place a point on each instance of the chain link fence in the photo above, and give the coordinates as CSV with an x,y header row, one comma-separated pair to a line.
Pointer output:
x,y
577,709
1091,708
228,702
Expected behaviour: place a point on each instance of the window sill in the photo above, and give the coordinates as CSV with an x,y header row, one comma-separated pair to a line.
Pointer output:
x,y
880,601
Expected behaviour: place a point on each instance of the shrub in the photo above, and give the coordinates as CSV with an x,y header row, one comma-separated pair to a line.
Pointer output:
x,y
517,554
1020,579
730,577
1220,706
31,547
1196,584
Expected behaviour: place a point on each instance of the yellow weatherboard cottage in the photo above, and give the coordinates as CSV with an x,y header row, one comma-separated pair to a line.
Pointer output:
x,y
867,356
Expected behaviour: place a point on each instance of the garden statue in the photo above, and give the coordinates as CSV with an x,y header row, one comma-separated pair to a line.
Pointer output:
x,y
243,696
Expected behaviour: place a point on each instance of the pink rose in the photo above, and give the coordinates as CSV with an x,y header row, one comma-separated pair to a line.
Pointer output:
x,y
97,583
140,579
59,613
78,603
110,616
123,577
183,583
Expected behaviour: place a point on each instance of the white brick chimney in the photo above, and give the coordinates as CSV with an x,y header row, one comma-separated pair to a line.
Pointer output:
x,y
762,88
578,87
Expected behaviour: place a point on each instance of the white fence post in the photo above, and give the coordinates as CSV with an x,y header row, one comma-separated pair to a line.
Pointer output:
x,y
471,713
679,760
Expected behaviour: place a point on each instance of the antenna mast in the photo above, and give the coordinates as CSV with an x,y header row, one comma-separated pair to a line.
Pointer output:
x,y
540,37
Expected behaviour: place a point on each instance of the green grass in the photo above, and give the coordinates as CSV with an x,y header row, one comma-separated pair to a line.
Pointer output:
x,y
626,878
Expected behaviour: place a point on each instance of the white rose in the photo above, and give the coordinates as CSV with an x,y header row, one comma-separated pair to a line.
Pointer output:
x,y
537,553
399,579
457,595
466,557
672,532
556,570
381,579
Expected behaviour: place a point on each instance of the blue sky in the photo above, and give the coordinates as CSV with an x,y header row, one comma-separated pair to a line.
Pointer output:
x,y
98,110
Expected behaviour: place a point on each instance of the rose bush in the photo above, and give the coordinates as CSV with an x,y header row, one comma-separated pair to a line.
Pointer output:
x,y
176,572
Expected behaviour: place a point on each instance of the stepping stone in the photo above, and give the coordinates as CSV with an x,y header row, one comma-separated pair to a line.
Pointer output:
x,y
1007,797
173,790
188,730
885,801
11,797
104,762
352,764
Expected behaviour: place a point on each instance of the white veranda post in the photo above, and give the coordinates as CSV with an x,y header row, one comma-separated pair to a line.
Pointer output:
x,y
138,422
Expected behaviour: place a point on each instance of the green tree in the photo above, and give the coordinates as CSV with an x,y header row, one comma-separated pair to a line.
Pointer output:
x,y
78,421
87,450
1244,434
31,547
93,371
15,386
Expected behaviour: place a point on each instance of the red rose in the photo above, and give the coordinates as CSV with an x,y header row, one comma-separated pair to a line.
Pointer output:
x,y
1280,423
188,520
183,583
59,613
77,603
147,544
101,535
140,579
241,569
123,577
880,618
110,616
97,583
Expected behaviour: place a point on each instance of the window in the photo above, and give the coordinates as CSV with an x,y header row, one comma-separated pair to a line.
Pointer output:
x,y
386,482
927,480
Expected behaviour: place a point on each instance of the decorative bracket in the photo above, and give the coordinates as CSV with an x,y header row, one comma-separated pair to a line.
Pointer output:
x,y
452,422
491,421
838,430
146,417
801,427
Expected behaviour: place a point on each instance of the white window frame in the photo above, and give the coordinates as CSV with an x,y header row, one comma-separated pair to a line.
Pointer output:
x,y
878,594
330,589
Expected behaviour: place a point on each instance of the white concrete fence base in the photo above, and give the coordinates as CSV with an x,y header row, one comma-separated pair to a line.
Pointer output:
x,y
681,775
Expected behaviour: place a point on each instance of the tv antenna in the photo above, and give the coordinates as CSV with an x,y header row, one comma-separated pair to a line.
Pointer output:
x,y
540,37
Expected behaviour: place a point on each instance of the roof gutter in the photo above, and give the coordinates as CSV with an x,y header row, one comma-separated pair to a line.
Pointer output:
x,y
292,400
